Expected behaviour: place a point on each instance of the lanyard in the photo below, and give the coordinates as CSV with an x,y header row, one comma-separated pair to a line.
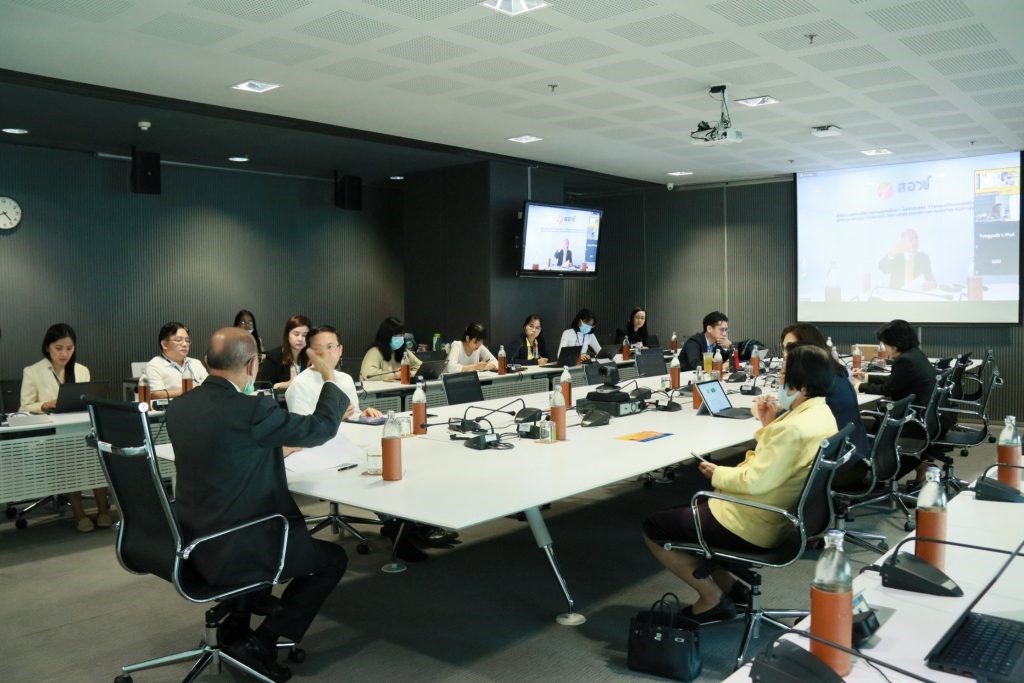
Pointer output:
x,y
55,375
180,368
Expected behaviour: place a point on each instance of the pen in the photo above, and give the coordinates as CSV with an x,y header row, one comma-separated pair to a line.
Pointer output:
x,y
347,467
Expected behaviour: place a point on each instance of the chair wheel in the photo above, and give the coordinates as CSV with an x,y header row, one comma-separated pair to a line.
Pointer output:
x,y
908,526
670,475
123,678
362,548
21,523
963,453
991,439
297,655
648,484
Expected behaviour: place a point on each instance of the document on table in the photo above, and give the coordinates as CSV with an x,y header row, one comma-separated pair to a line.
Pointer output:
x,y
644,437
330,455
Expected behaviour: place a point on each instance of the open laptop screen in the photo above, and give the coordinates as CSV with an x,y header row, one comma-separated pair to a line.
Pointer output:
x,y
713,394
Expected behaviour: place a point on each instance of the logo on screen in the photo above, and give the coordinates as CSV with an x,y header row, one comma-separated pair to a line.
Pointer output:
x,y
565,219
884,190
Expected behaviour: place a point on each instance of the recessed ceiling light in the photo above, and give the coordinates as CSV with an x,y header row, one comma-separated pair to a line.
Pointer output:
x,y
829,131
16,131
679,173
514,7
758,101
875,152
241,159
256,86
525,139
398,177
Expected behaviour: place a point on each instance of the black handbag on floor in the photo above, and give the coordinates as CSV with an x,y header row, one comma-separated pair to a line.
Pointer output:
x,y
663,642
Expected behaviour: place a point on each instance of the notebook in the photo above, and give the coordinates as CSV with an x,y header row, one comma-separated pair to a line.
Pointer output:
x,y
69,396
716,402
569,356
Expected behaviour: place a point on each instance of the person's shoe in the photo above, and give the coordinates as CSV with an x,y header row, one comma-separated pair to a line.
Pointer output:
x,y
250,652
231,631
410,553
103,520
725,609
739,594
85,525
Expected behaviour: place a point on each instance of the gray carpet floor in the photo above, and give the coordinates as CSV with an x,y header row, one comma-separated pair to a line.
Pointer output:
x,y
483,611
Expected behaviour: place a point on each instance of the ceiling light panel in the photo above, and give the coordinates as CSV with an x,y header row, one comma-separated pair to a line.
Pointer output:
x,y
525,139
760,101
257,87
875,152
514,8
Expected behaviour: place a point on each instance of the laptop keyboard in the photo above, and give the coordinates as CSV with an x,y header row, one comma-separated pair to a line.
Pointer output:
x,y
985,644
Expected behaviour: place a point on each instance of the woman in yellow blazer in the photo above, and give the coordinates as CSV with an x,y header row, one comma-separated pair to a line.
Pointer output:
x,y
40,383
773,473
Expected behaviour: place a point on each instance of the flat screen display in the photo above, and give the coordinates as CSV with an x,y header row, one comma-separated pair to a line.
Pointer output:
x,y
559,240
930,242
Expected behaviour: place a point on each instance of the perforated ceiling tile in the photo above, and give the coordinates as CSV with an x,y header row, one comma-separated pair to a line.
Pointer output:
x,y
501,29
722,52
959,38
593,10
629,70
668,28
359,69
662,142
424,10
90,10
795,91
571,51
846,58
958,64
870,79
603,101
428,50
345,27
998,99
644,114
1008,113
624,133
755,73
957,132
282,51
488,99
943,121
991,81
566,86
903,93
540,111
747,13
253,10
584,123
919,108
496,69
823,105
913,15
182,29
826,33
428,85
673,87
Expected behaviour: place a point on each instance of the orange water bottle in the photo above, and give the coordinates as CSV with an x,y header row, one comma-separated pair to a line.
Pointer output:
x,y
675,342
419,409
698,377
1009,453
673,371
716,362
625,349
188,380
858,357
755,361
931,520
566,381
558,414
403,369
502,360
142,393
832,604
391,449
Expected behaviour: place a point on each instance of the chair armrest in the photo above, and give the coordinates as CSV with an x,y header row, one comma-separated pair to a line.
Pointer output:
x,y
792,519
190,548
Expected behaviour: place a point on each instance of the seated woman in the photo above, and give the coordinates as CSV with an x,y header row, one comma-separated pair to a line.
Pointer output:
x,y
289,359
247,321
773,473
40,383
635,330
470,353
383,360
581,333
531,349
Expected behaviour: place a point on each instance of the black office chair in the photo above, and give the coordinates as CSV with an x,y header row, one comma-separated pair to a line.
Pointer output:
x,y
810,516
965,436
462,387
928,426
883,463
150,541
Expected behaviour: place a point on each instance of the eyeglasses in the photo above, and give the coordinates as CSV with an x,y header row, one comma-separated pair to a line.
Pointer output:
x,y
246,323
180,340
328,347
535,328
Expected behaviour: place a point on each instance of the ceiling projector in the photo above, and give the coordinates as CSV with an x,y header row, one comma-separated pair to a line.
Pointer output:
x,y
723,132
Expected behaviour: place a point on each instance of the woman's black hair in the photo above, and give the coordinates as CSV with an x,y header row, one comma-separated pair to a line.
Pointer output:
x,y
806,333
810,368
388,328
899,335
255,331
581,315
522,333
635,334
474,332
54,333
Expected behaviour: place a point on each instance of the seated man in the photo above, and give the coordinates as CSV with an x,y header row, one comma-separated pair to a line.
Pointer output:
x,y
715,337
304,390
773,473
230,468
165,372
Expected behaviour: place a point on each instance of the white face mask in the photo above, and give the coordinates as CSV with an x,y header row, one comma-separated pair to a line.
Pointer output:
x,y
787,399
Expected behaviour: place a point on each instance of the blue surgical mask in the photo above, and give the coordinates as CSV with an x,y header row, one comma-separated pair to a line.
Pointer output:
x,y
787,399
586,329
397,342
249,389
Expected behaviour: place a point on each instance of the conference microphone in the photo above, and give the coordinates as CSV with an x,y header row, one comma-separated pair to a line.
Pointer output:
x,y
987,488
499,409
456,424
752,390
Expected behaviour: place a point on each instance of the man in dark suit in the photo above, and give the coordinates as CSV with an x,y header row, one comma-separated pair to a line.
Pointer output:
x,y
904,263
230,468
715,337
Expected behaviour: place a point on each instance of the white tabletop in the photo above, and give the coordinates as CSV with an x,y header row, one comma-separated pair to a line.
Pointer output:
x,y
56,421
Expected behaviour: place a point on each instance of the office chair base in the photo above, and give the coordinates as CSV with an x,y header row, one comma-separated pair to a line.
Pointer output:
x,y
339,522
570,619
874,542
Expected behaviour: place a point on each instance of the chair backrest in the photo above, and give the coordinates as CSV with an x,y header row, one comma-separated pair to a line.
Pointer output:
x,y
994,380
462,387
956,388
935,426
814,507
148,537
979,377
885,457
10,395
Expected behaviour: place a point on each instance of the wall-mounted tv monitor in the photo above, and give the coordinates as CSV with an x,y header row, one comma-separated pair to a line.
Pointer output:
x,y
559,241
930,242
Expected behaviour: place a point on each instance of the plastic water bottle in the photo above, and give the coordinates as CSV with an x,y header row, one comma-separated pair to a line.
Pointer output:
x,y
831,348
188,380
1009,453
625,349
716,362
673,371
880,354
755,361
558,414
931,520
566,381
858,357
675,342
403,369
391,448
698,377
832,604
502,360
142,393
419,409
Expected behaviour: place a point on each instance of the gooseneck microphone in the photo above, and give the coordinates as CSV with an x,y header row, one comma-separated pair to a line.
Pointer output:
x,y
491,411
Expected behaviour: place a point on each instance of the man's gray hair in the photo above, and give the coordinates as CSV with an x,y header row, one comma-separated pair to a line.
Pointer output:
x,y
230,349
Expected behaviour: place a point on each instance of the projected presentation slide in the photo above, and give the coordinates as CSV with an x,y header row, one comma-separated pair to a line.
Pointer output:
x,y
930,242
560,239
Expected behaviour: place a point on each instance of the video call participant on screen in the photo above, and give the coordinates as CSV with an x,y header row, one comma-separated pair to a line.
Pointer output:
x,y
581,333
636,329
165,372
530,347
230,469
40,384
904,263
715,337
470,353
563,257
383,361
286,361
247,321
773,473
304,391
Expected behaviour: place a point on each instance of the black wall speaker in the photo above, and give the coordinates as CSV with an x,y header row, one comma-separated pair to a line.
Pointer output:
x,y
348,192
145,172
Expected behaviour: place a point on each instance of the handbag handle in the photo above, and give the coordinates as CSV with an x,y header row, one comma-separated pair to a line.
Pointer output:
x,y
662,605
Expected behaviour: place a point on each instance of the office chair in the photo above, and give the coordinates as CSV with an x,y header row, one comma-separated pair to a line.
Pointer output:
x,y
150,540
462,387
810,516
965,436
930,424
883,464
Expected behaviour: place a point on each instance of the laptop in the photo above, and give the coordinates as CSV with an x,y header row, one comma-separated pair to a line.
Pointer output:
x,y
430,369
652,340
716,402
982,646
609,350
139,367
69,396
569,356
651,362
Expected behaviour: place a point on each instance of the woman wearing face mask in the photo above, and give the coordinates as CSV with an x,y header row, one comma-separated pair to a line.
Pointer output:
x,y
470,353
288,360
383,360
773,473
531,349
581,334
